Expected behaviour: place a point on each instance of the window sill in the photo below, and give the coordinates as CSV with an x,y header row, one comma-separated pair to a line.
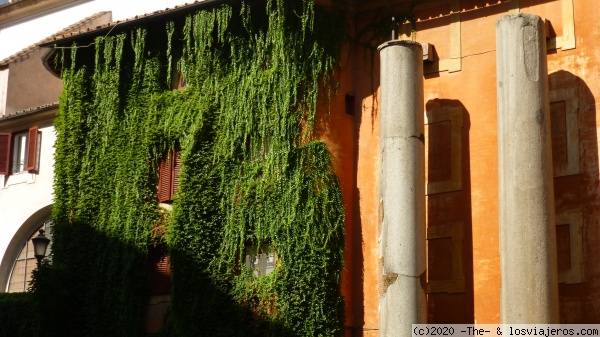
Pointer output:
x,y
19,178
166,206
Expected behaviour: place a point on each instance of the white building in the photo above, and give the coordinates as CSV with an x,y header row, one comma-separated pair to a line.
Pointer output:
x,y
28,103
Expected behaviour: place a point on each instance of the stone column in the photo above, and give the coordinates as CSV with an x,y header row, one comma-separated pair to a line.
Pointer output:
x,y
401,189
529,291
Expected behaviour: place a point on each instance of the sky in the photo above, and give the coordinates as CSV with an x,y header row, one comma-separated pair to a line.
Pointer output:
x,y
15,37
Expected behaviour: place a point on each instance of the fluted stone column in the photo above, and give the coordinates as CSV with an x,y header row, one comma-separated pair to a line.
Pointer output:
x,y
401,189
529,290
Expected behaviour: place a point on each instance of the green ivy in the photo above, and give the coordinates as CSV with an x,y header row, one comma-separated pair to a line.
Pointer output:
x,y
19,315
251,174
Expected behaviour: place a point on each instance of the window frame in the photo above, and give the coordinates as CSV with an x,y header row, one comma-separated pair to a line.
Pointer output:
x,y
28,151
47,226
257,258
19,154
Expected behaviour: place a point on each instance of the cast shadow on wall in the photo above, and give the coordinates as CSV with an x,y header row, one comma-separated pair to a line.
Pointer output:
x,y
449,221
576,195
113,282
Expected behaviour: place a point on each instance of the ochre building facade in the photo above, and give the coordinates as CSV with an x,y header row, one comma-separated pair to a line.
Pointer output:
x,y
461,146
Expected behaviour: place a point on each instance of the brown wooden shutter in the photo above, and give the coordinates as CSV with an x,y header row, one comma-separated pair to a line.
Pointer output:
x,y
5,153
160,273
176,168
32,149
165,177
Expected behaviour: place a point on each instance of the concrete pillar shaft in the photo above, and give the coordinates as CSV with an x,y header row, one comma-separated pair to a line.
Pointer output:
x,y
529,291
402,189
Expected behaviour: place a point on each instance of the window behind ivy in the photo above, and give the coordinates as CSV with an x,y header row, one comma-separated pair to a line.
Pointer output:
x,y
160,271
261,260
168,175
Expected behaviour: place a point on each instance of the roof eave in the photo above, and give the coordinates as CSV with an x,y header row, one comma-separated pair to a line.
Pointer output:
x,y
120,26
137,20
45,113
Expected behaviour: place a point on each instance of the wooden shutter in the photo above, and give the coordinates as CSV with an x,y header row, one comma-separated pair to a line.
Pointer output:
x,y
32,149
160,273
176,168
5,153
165,177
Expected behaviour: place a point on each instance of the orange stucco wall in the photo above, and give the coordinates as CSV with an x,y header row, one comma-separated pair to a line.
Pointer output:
x,y
353,141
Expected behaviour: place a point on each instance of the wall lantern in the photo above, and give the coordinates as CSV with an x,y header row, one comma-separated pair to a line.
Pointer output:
x,y
40,244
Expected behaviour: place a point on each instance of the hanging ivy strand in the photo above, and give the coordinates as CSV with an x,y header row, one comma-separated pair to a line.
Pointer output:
x,y
230,93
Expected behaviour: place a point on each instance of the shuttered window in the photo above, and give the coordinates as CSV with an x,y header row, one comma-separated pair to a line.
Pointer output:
x,y
164,179
19,152
175,171
160,271
5,153
168,175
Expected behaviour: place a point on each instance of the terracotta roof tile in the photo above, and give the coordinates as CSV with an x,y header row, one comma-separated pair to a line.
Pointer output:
x,y
29,111
110,26
67,30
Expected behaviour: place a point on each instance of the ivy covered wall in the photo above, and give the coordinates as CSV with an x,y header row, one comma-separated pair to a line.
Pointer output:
x,y
251,174
19,315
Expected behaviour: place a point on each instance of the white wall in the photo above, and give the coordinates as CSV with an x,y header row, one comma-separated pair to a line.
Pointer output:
x,y
3,90
21,35
22,197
